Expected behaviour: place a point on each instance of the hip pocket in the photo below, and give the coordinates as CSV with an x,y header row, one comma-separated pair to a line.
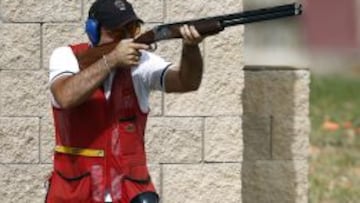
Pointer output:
x,y
139,174
65,189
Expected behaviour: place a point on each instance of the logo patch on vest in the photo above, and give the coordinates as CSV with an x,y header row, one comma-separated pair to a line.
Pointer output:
x,y
130,128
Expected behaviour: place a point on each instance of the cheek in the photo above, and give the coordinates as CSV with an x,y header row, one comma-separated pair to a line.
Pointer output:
x,y
118,36
107,39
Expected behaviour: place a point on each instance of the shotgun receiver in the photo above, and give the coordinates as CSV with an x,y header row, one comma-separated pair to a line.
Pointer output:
x,y
205,26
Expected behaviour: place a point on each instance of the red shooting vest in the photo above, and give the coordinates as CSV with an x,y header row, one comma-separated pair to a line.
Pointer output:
x,y
115,126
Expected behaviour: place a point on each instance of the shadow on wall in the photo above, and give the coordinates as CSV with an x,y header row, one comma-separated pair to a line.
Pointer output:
x,y
275,129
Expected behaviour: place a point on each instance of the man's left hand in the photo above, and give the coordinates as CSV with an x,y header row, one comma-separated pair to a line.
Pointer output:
x,y
190,35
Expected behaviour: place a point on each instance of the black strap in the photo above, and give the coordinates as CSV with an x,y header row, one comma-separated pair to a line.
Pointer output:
x,y
140,181
72,178
129,118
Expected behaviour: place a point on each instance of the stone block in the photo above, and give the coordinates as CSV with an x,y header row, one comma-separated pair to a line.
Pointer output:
x,y
23,182
149,10
174,140
221,88
20,44
288,92
254,93
23,93
276,91
290,139
86,7
41,10
187,9
155,173
203,183
56,35
256,137
274,181
47,150
223,140
19,140
47,142
156,103
171,50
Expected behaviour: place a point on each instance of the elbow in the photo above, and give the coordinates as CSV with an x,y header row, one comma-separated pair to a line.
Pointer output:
x,y
64,103
62,100
61,96
192,86
65,106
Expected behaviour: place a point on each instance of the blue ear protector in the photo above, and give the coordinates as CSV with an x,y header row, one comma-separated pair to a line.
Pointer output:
x,y
92,29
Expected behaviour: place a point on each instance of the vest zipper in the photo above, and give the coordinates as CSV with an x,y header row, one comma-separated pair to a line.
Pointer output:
x,y
107,149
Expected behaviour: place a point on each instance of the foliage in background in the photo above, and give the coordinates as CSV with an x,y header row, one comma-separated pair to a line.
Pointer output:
x,y
335,150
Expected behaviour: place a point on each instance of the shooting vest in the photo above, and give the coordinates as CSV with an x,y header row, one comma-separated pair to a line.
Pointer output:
x,y
100,145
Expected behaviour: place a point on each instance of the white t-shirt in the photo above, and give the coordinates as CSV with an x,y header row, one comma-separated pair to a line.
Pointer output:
x,y
147,76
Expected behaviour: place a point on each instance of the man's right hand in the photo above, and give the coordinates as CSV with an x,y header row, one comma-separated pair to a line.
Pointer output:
x,y
126,54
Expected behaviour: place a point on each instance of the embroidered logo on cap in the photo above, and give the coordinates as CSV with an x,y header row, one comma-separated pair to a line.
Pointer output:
x,y
120,5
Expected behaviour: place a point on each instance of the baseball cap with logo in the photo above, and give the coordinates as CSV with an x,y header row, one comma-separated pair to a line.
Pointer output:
x,y
113,13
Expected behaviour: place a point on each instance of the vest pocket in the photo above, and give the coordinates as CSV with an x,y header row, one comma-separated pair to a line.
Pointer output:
x,y
70,189
138,174
129,138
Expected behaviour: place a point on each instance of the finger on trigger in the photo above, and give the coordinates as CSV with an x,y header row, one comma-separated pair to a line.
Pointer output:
x,y
134,51
138,46
126,41
136,57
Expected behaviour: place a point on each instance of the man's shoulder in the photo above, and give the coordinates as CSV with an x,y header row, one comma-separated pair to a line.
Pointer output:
x,y
58,51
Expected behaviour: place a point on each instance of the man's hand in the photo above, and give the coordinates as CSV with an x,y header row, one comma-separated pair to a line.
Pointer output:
x,y
190,35
126,54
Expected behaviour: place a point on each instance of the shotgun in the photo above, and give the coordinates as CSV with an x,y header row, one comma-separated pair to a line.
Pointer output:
x,y
205,26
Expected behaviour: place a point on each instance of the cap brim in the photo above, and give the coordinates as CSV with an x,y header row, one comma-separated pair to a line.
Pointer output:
x,y
112,24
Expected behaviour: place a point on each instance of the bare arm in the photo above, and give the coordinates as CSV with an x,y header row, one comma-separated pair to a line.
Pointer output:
x,y
187,76
70,91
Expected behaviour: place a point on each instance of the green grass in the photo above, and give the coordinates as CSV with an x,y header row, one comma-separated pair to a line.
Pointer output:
x,y
335,155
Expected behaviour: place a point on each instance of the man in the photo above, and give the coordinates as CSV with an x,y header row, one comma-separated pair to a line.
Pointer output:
x,y
100,111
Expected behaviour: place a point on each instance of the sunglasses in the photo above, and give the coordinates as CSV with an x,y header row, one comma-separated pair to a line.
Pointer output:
x,y
130,30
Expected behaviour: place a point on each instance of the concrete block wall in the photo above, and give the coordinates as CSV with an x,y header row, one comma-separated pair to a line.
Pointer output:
x,y
242,137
